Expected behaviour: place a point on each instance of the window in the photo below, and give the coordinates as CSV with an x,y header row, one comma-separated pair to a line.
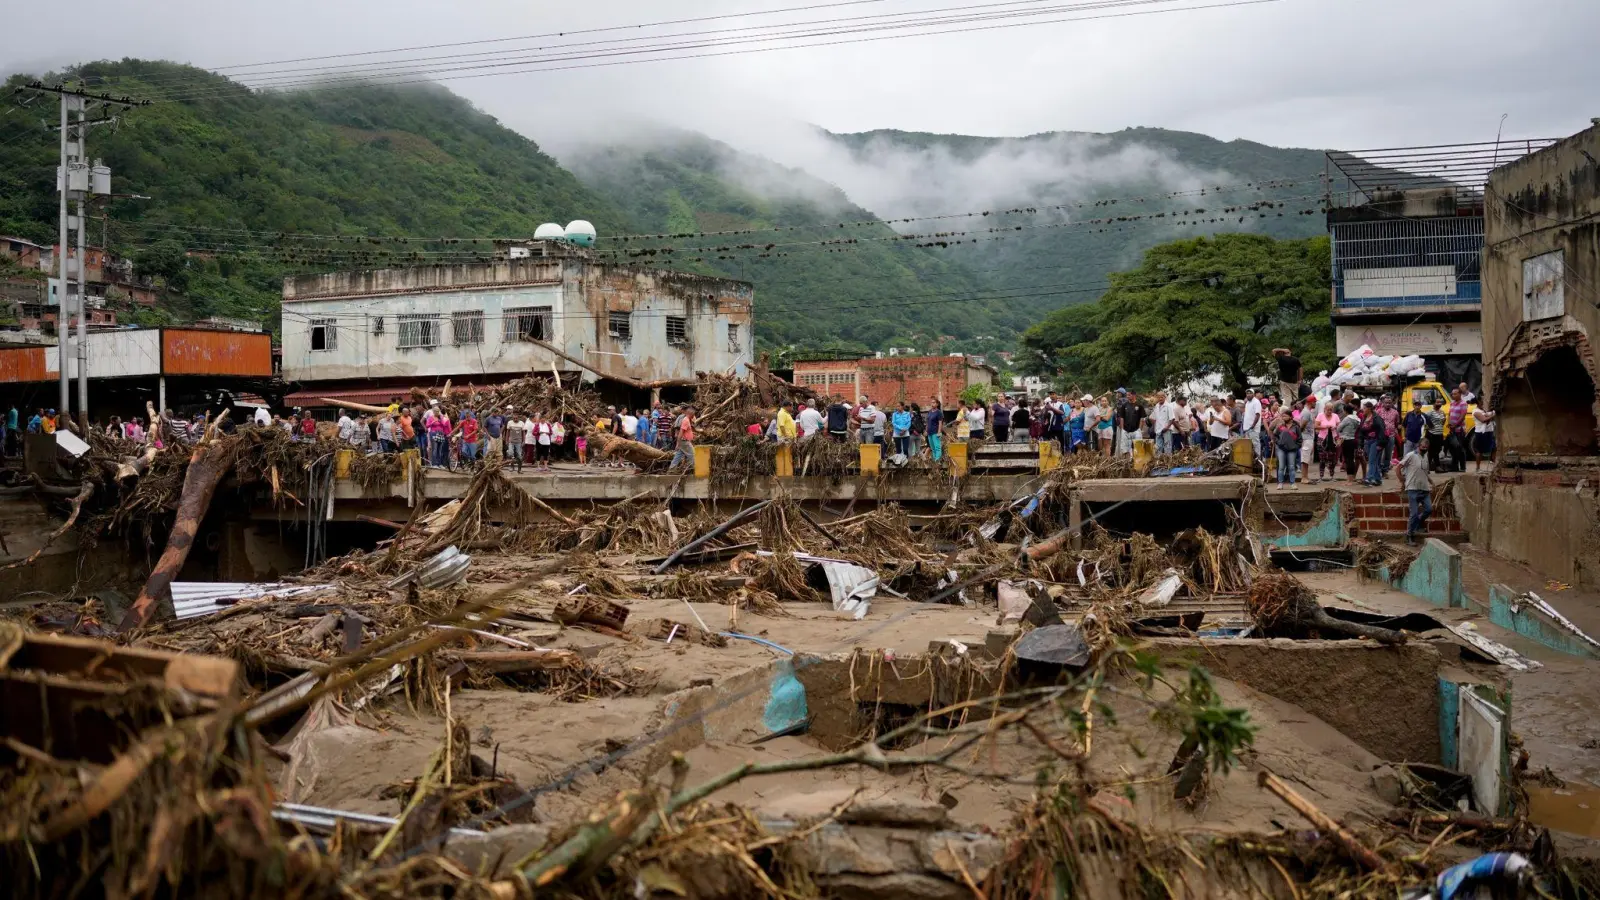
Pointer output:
x,y
733,338
324,334
526,322
377,324
419,331
467,327
678,330
620,324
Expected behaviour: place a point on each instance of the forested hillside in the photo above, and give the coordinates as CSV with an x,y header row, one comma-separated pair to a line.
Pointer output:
x,y
233,173
238,188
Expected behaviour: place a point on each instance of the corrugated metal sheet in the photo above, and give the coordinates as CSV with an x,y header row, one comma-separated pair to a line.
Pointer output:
x,y
201,598
186,352
21,364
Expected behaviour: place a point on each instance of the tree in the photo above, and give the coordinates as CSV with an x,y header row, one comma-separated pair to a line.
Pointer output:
x,y
1197,307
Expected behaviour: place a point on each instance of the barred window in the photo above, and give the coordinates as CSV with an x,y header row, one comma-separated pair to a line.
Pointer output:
x,y
527,322
419,331
324,334
733,338
467,327
620,325
677,330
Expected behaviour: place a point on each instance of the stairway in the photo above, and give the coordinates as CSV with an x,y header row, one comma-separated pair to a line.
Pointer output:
x,y
1386,514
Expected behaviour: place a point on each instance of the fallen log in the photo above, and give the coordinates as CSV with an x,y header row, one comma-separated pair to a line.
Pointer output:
x,y
210,461
639,454
1052,545
625,379
358,407
502,662
739,518
1282,602
131,470
1325,824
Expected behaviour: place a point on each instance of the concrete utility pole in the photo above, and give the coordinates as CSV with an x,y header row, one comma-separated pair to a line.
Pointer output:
x,y
76,180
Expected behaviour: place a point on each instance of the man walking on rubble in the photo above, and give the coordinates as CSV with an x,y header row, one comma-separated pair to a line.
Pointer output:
x,y
683,430
1419,490
786,424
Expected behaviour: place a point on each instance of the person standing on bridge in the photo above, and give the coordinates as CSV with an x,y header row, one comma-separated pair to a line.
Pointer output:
x,y
935,430
1371,433
1290,374
1000,419
787,430
901,423
809,421
839,421
516,432
1483,437
683,430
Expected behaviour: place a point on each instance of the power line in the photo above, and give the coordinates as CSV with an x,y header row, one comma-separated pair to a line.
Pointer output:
x,y
831,43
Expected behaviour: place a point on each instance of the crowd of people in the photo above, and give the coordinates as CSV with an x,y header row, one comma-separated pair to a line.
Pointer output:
x,y
520,438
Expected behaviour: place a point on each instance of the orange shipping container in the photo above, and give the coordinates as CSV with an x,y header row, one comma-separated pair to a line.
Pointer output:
x,y
185,352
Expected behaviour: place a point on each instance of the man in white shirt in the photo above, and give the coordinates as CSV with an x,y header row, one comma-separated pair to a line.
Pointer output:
x,y
1161,414
1250,428
347,427
809,420
630,425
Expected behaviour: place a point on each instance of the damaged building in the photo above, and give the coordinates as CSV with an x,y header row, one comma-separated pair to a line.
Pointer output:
x,y
1541,308
365,336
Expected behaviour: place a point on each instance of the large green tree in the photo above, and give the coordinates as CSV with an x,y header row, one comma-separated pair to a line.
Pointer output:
x,y
1210,305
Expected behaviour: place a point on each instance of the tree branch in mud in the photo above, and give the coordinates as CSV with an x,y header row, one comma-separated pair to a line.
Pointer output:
x,y
77,506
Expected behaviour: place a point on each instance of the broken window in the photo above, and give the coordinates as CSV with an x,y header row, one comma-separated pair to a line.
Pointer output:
x,y
526,322
733,338
620,325
678,330
467,327
324,334
419,331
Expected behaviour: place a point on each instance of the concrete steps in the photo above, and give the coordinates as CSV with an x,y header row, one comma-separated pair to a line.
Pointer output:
x,y
1386,514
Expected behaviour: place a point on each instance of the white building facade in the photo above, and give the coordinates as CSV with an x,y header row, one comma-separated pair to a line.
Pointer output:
x,y
489,321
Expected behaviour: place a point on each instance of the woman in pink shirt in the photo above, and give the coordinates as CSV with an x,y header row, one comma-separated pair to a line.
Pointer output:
x,y
1327,450
439,439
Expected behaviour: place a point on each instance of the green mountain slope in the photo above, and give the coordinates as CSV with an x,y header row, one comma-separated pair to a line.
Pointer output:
x,y
1057,257
226,171
868,295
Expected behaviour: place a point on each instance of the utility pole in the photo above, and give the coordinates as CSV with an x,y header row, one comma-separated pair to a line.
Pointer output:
x,y
76,181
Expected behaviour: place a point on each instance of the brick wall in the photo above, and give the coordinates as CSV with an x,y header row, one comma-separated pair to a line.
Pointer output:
x,y
915,379
830,377
1387,513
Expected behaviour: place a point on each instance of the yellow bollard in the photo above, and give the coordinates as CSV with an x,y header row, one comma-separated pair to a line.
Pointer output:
x,y
1144,454
342,460
871,455
702,462
1048,457
784,460
957,452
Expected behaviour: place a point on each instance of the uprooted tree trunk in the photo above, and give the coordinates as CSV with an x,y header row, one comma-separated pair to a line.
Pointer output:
x,y
210,461
1281,602
639,454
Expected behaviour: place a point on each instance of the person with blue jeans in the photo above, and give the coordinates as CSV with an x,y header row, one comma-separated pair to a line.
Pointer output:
x,y
1419,490
901,423
1286,441
1373,440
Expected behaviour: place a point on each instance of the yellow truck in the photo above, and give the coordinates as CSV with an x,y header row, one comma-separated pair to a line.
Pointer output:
x,y
1424,394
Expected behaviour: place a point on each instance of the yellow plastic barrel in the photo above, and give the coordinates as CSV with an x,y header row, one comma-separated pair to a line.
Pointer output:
x,y
1244,453
957,453
784,461
871,455
1048,457
1144,454
342,460
702,462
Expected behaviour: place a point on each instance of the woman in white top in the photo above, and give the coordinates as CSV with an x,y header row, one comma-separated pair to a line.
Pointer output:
x,y
975,421
1219,422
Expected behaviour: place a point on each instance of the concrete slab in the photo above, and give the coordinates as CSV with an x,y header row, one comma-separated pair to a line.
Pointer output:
x,y
1156,490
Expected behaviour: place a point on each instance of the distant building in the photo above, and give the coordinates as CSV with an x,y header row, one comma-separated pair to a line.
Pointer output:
x,y
914,379
1032,385
25,252
369,334
1541,307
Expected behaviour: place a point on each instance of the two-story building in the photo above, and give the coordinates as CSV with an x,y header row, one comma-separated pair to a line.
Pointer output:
x,y
1407,229
368,335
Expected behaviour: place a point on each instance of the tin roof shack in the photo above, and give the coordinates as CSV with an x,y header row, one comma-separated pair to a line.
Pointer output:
x,y
1541,309
481,323
171,367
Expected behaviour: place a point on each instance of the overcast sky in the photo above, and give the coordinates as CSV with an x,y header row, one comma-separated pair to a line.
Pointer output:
x,y
1311,73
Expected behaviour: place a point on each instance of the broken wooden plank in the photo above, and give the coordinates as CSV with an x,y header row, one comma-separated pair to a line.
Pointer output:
x,y
503,662
584,610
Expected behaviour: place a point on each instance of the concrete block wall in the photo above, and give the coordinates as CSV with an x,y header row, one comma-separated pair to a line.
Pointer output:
x,y
1386,513
1434,576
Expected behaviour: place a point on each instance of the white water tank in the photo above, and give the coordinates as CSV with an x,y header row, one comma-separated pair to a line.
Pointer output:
x,y
100,179
581,233
549,231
